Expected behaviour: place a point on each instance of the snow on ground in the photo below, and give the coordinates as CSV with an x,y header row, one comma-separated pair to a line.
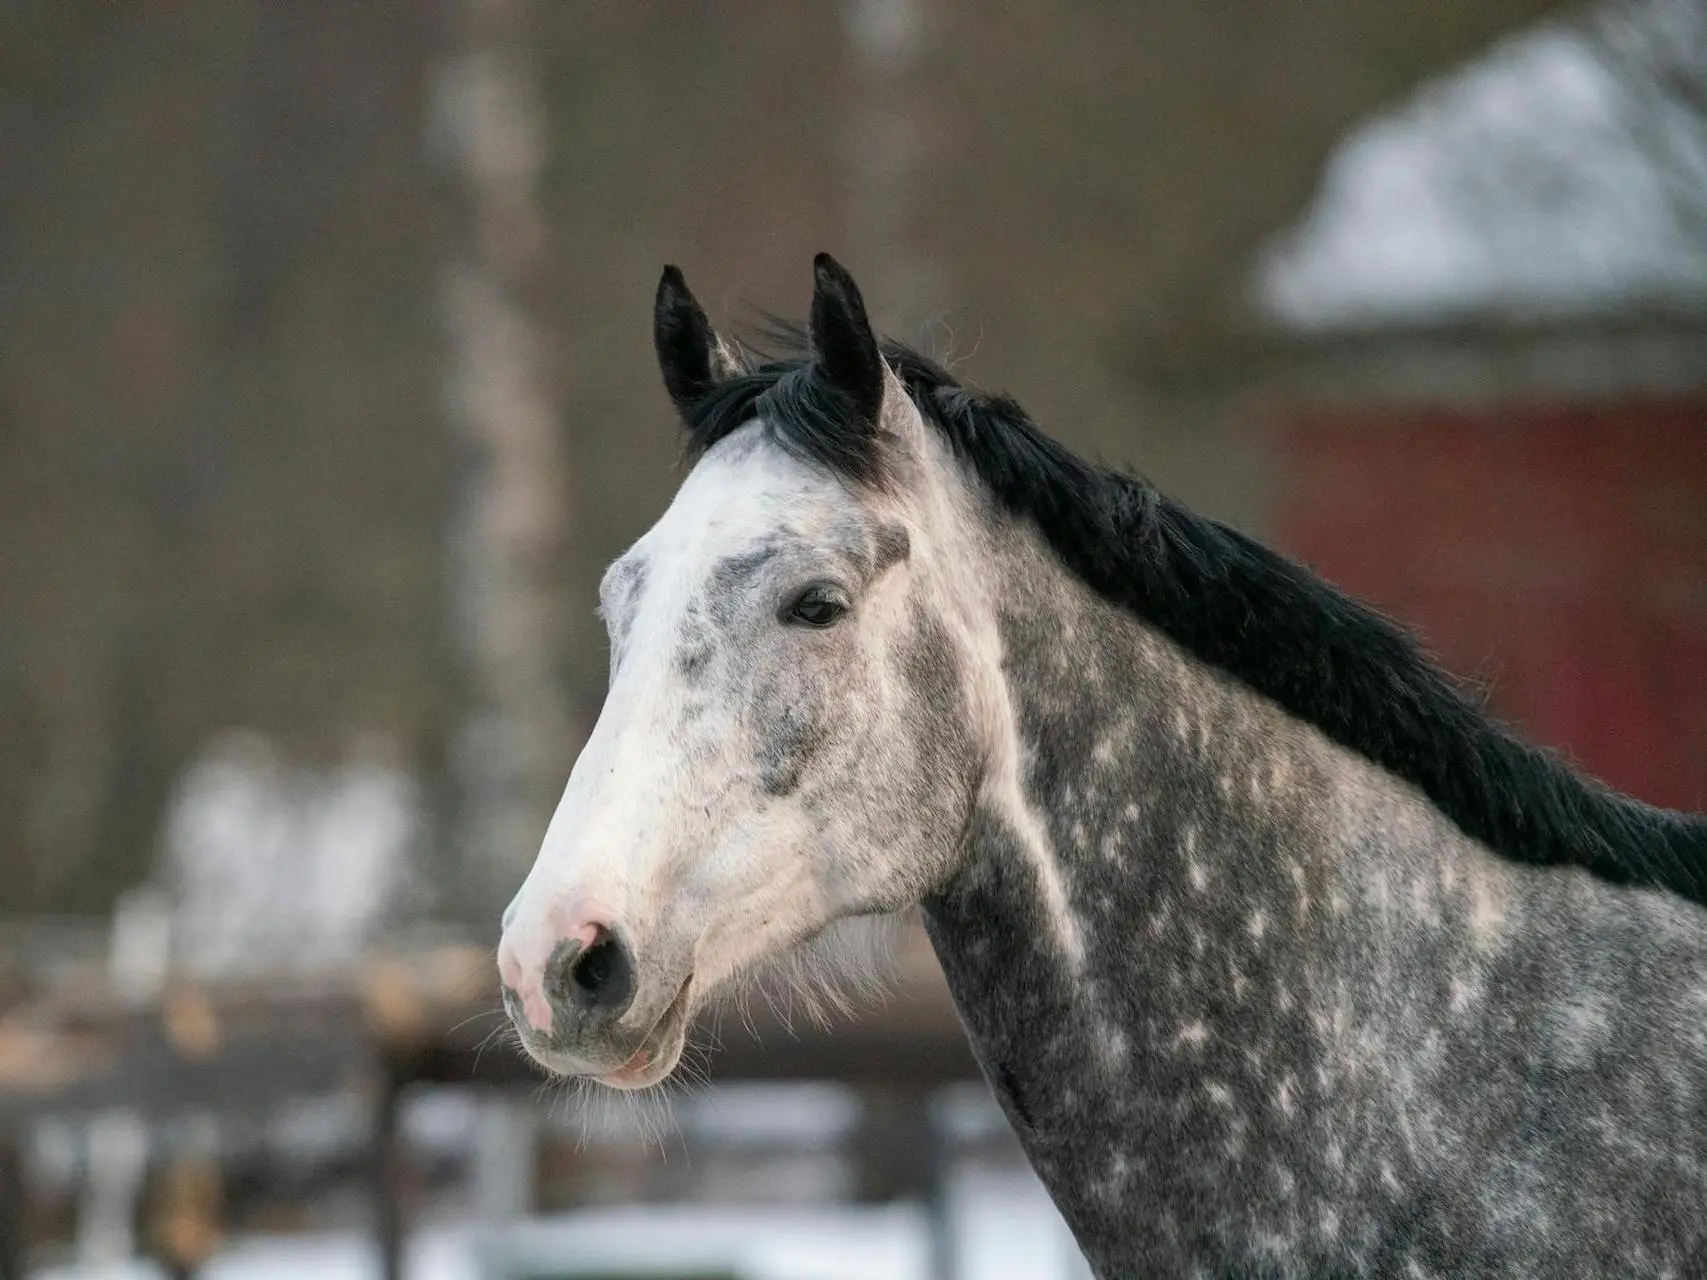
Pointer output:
x,y
1004,1226
271,864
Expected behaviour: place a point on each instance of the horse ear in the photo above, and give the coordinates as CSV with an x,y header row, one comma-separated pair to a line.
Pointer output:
x,y
842,340
690,356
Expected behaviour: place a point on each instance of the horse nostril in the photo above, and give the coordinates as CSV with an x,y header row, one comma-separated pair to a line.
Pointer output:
x,y
597,979
593,969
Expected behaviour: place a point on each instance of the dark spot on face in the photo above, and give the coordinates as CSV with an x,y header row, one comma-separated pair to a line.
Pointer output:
x,y
893,545
732,574
693,654
932,670
790,741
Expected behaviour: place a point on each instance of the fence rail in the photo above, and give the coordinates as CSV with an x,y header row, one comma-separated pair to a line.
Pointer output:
x,y
82,1046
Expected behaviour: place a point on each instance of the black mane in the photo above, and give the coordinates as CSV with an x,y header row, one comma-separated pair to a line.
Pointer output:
x,y
1327,658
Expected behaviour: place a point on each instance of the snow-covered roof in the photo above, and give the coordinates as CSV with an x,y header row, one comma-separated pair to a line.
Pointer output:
x,y
1556,175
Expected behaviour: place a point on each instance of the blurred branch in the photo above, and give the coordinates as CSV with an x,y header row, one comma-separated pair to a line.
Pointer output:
x,y
510,523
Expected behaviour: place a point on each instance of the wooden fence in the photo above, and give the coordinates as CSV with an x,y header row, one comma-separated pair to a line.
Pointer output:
x,y
429,1017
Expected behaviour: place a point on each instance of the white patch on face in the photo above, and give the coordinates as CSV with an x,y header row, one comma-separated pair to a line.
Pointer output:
x,y
1192,1035
621,813
667,822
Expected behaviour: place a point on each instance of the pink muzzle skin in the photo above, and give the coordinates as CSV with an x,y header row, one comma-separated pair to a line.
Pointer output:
x,y
525,951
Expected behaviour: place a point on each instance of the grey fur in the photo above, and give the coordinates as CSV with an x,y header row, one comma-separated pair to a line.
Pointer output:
x,y
1317,1031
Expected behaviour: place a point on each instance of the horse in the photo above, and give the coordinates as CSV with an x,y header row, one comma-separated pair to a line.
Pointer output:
x,y
1281,955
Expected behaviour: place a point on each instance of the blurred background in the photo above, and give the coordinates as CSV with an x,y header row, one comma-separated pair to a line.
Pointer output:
x,y
326,393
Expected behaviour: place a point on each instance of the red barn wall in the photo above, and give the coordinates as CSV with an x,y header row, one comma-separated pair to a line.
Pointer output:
x,y
1558,554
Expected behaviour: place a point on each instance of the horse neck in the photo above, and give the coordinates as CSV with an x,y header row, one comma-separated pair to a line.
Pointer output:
x,y
1146,822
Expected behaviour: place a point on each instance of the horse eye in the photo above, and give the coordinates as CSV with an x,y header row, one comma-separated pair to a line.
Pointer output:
x,y
816,607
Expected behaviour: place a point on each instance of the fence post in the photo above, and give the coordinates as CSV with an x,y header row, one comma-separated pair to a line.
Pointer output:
x,y
12,1193
387,1172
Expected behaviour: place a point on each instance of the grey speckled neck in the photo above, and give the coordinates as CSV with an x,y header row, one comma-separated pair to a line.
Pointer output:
x,y
1313,1030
